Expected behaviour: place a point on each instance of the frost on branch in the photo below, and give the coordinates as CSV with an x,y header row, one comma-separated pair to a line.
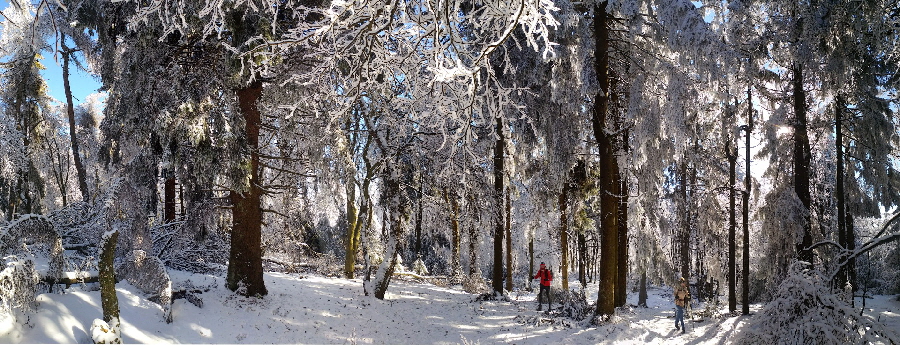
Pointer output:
x,y
806,311
17,285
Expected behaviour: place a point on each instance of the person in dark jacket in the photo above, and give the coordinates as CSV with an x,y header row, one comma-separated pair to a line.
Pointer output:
x,y
546,277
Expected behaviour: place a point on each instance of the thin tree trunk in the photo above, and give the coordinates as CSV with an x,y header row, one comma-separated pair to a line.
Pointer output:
x,y
608,168
455,269
622,281
582,259
801,161
745,271
70,112
497,274
473,239
509,267
564,236
851,246
642,294
245,261
352,231
181,197
684,239
732,224
530,259
419,229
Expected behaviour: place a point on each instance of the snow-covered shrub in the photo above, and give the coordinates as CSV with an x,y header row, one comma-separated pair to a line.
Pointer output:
x,y
804,310
572,304
189,244
419,267
34,236
17,285
148,274
474,284
328,264
103,333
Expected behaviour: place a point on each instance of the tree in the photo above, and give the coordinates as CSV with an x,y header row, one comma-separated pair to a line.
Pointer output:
x,y
499,172
609,168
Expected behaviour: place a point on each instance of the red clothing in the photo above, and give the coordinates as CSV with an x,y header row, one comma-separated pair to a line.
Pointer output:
x,y
545,275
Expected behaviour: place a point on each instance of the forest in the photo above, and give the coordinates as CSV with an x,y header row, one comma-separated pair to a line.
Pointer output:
x,y
381,146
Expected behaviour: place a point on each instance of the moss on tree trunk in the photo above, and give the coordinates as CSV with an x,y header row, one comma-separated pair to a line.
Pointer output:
x,y
108,299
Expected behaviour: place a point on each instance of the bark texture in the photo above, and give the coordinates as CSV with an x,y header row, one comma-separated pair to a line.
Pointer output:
x,y
801,161
245,269
108,299
497,274
609,168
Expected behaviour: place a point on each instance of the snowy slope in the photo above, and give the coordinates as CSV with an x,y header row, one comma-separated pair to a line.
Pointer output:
x,y
313,309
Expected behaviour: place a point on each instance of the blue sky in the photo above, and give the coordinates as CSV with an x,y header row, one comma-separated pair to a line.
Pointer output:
x,y
83,83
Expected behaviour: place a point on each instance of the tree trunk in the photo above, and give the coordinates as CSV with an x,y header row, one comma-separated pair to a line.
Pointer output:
x,y
530,259
398,210
745,272
169,195
419,229
642,294
582,259
386,270
352,242
842,276
107,277
685,238
361,219
509,267
622,281
70,111
497,274
851,246
609,168
455,269
801,161
732,224
245,261
564,236
473,239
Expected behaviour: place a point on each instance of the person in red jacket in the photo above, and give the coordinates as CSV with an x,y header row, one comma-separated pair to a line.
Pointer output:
x,y
546,277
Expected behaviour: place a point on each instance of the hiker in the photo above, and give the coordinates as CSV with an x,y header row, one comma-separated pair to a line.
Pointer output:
x,y
682,296
546,276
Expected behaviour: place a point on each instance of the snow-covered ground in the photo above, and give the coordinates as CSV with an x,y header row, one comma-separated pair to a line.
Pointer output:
x,y
312,309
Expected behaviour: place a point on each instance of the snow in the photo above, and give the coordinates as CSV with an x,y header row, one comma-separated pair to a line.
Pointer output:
x,y
101,333
315,309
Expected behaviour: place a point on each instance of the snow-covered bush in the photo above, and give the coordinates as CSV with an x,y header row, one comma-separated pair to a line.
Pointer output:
x,y
328,264
17,285
474,284
103,333
804,310
34,236
148,274
181,246
419,267
572,304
